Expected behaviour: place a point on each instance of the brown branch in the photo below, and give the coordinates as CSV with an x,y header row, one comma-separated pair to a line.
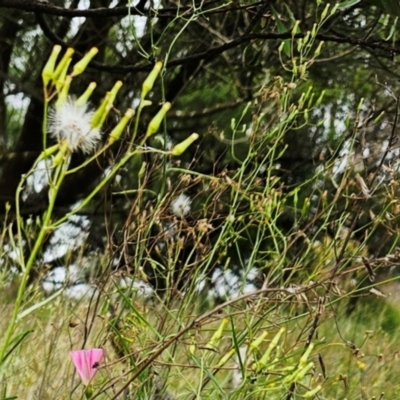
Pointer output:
x,y
211,53
45,7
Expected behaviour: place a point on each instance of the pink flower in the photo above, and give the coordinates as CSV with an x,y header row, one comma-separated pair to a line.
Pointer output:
x,y
86,363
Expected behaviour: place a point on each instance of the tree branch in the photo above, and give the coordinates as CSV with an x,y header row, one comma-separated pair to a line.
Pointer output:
x,y
45,7
370,44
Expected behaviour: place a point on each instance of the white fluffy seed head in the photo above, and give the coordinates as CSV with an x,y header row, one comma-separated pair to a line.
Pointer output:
x,y
180,205
72,124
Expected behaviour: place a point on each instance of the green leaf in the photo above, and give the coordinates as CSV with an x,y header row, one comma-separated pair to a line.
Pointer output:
x,y
16,342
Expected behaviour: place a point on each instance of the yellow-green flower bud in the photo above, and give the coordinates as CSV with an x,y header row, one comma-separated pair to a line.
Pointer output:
x,y
226,358
302,373
334,9
181,147
217,334
192,347
81,65
307,37
49,151
314,31
62,153
266,356
83,99
101,113
311,393
115,90
304,357
119,128
256,343
295,28
145,103
277,337
325,12
318,49
360,104
63,65
289,378
59,82
103,117
63,95
48,70
320,98
149,81
155,123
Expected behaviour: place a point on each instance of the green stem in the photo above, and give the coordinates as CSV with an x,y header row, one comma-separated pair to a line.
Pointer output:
x,y
59,173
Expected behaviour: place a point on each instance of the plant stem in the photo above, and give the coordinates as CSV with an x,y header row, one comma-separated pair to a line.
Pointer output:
x,y
59,173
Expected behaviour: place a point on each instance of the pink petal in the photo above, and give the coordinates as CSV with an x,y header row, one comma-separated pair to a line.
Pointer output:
x,y
86,362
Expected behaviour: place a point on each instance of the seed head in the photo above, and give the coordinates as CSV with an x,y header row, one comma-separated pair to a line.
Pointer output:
x,y
180,205
72,124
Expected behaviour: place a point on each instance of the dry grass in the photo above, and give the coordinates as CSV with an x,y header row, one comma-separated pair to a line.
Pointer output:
x,y
354,355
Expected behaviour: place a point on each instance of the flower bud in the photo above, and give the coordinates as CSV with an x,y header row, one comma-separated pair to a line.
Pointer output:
x,y
192,347
334,9
360,104
49,151
115,90
63,65
81,65
62,153
320,98
59,82
314,31
83,99
48,70
302,373
318,49
266,356
256,343
225,358
89,391
119,128
63,95
149,81
295,28
146,103
217,334
325,12
181,147
101,114
304,357
155,123
312,393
